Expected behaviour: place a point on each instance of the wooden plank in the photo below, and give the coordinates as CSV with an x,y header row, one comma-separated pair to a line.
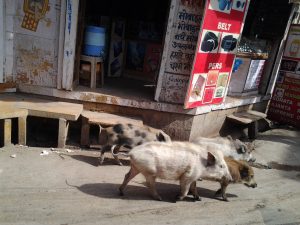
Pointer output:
x,y
62,133
22,124
246,117
70,44
2,39
9,112
44,108
7,132
107,119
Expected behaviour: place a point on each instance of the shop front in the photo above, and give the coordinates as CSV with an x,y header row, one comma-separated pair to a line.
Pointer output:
x,y
182,66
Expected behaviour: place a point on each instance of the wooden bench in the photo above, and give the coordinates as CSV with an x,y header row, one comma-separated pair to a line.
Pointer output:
x,y
8,113
250,119
63,111
102,119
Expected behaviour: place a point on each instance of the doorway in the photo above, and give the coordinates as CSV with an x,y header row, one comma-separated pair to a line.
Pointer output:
x,y
133,46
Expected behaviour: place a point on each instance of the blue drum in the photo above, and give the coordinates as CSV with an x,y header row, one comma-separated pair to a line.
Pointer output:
x,y
94,41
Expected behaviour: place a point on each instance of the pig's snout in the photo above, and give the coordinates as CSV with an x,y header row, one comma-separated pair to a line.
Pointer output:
x,y
252,159
254,185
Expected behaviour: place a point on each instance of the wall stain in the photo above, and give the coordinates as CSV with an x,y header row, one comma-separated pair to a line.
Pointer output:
x,y
86,97
36,65
114,101
22,78
101,98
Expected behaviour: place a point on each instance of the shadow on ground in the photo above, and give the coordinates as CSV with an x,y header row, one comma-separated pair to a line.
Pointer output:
x,y
279,148
166,190
94,160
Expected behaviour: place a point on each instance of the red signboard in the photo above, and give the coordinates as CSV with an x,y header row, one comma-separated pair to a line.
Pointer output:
x,y
285,102
216,50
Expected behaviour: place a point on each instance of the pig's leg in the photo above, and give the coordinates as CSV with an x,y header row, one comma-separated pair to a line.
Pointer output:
x,y
129,176
222,190
103,150
116,151
185,184
193,189
151,184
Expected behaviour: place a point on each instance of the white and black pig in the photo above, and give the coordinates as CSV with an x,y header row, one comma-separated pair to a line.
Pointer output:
x,y
235,149
129,136
183,161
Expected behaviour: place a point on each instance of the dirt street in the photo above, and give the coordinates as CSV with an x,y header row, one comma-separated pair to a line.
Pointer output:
x,y
65,188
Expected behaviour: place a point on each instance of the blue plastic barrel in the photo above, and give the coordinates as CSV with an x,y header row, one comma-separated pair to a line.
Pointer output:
x,y
94,41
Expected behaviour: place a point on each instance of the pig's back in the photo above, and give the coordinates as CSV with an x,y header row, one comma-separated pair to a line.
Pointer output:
x,y
165,160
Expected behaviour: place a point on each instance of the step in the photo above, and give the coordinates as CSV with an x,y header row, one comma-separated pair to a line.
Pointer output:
x,y
246,117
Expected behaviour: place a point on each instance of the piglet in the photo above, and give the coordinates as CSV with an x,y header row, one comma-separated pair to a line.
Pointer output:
x,y
183,161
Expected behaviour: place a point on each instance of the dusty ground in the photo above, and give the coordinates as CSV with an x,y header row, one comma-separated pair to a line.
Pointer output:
x,y
70,188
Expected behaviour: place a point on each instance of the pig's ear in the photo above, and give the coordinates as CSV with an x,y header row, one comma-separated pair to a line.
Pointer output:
x,y
211,159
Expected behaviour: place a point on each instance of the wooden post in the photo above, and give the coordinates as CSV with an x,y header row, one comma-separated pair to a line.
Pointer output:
x,y
7,132
85,132
253,129
22,130
62,132
61,42
93,72
70,44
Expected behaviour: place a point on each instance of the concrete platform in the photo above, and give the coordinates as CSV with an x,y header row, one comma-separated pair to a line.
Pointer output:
x,y
70,188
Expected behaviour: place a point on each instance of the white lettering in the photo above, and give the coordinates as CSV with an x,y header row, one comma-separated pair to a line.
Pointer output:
x,y
224,26
215,66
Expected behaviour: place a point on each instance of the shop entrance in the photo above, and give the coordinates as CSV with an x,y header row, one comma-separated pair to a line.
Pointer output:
x,y
131,46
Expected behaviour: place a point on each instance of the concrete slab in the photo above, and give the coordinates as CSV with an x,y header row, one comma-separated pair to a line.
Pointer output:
x,y
69,188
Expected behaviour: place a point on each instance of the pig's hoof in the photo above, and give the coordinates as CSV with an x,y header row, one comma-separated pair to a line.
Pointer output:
x,y
218,192
225,199
197,198
120,164
101,161
121,193
157,197
179,198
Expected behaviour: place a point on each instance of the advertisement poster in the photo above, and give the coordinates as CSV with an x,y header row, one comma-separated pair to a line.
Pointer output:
x,y
216,50
285,102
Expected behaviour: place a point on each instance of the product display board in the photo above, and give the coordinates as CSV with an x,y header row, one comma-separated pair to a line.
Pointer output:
x,y
285,102
216,50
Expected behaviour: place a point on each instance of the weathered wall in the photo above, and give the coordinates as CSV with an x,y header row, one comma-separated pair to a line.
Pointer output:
x,y
179,50
34,41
